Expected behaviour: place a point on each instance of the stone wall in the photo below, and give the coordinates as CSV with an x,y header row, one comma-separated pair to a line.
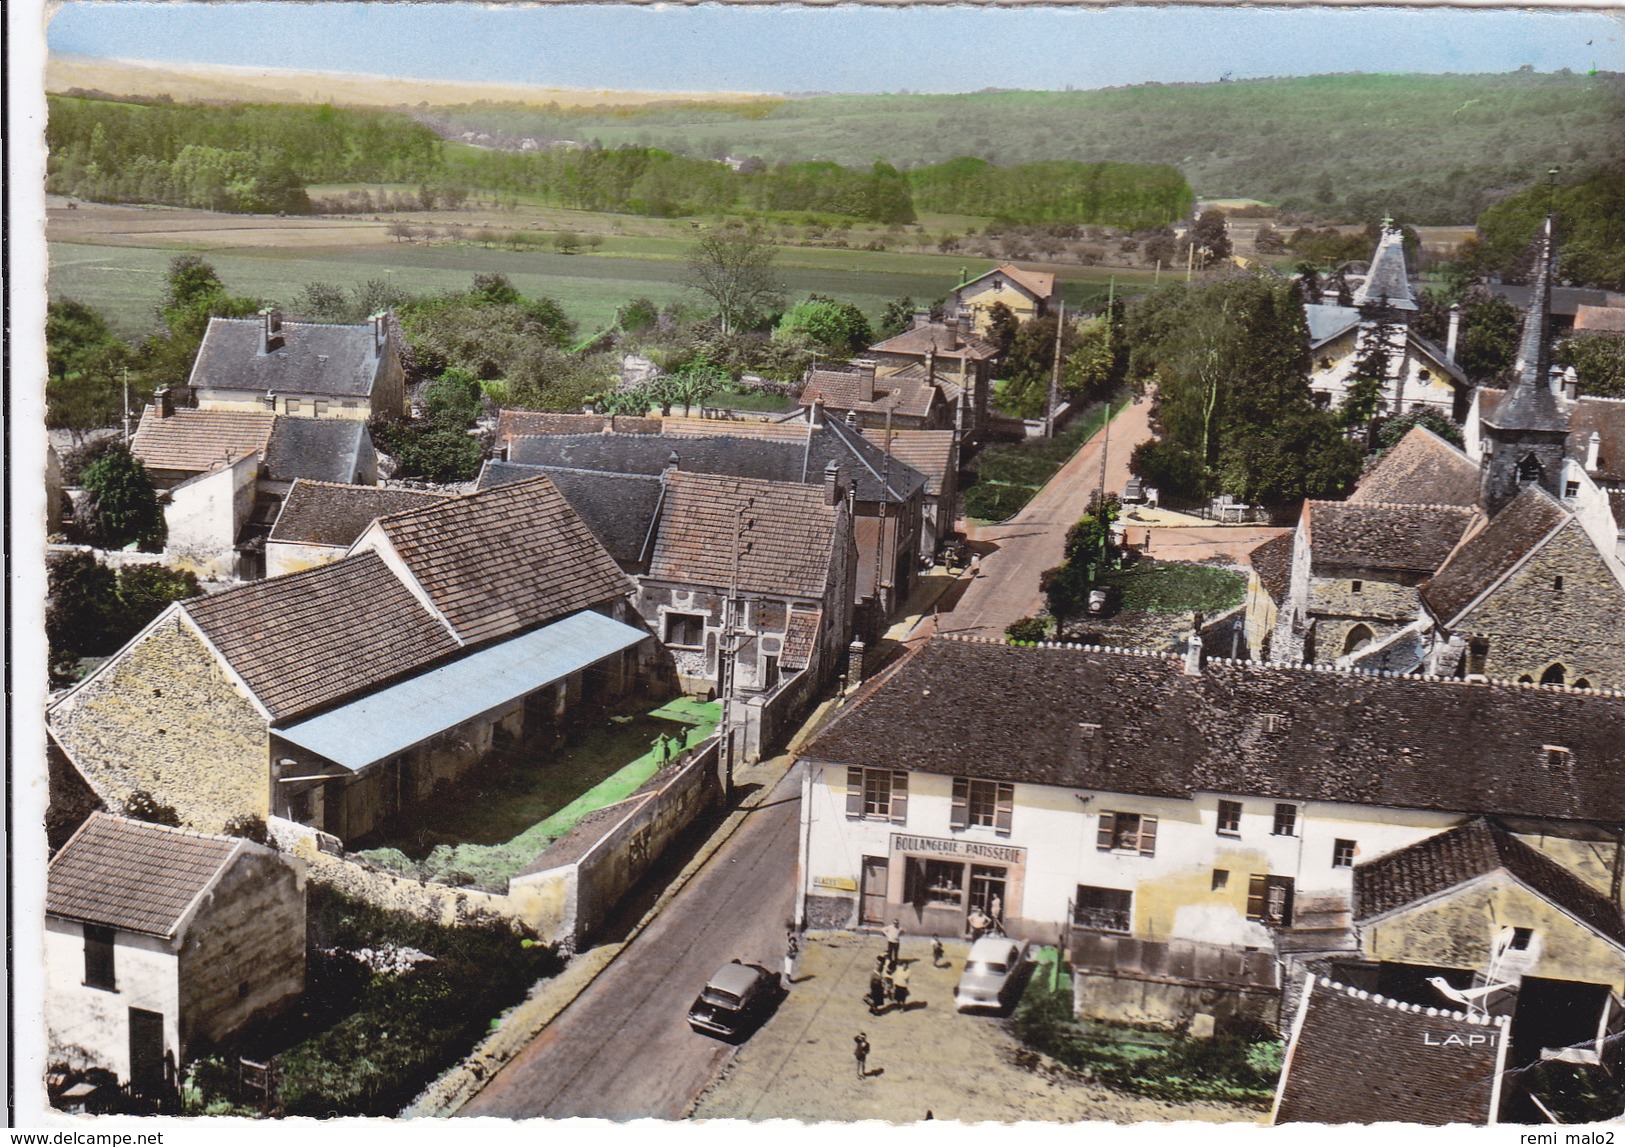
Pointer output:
x,y
243,957
164,717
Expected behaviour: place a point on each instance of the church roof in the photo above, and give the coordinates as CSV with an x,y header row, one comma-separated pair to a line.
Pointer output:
x,y
1530,404
1421,469
1484,558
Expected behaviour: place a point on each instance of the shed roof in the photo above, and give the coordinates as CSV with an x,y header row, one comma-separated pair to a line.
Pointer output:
x,y
308,358
131,875
198,441
390,720
336,514
1589,317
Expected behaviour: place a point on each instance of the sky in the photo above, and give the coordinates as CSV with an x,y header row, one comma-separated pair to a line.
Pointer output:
x,y
842,49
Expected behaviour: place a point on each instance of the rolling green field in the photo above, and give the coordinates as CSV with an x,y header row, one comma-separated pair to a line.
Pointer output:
x,y
125,282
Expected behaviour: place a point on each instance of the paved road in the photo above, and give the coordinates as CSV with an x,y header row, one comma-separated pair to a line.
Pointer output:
x,y
1198,543
1006,587
624,1050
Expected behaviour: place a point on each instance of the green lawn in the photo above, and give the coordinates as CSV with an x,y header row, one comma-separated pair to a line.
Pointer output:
x,y
1176,587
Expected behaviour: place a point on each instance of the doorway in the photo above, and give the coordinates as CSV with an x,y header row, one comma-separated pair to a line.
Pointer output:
x,y
875,877
146,1051
987,891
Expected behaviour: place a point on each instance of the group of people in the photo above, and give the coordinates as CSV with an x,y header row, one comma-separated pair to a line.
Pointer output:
x,y
982,923
888,985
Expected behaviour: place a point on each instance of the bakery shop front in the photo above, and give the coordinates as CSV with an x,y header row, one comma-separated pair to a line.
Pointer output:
x,y
937,882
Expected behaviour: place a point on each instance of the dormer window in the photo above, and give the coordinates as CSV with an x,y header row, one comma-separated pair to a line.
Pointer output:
x,y
1557,757
1272,722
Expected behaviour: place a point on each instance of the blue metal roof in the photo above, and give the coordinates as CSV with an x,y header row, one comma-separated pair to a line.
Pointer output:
x,y
1327,321
395,718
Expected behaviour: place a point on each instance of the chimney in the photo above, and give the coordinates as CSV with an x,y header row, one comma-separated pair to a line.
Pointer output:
x,y
162,404
1593,452
832,483
1554,380
964,324
931,366
1455,332
1193,654
270,330
1571,385
380,331
815,413
922,319
671,461
852,419
866,378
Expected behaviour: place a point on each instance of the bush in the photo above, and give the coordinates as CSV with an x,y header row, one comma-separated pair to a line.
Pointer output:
x,y
994,502
250,827
1027,629
142,805
123,505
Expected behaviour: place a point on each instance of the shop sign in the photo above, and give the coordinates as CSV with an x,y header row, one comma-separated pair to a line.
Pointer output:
x,y
842,883
959,849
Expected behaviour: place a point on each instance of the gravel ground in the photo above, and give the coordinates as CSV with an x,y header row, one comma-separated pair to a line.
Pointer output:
x,y
927,1059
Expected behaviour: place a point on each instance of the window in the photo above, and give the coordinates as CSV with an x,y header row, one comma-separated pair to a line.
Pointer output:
x,y
99,957
1554,675
1343,853
982,804
685,629
1221,879
1286,820
1230,818
1127,832
876,794
1557,757
1557,584
1104,909
1478,653
1356,586
1571,489
1269,900
291,406
1521,938
319,407
943,881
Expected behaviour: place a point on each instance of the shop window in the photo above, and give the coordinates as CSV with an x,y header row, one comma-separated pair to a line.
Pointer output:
x,y
934,882
982,804
1286,820
685,629
1103,909
1269,900
1127,832
99,957
877,794
1230,818
1343,853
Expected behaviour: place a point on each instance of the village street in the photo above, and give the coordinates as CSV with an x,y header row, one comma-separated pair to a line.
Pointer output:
x,y
624,1049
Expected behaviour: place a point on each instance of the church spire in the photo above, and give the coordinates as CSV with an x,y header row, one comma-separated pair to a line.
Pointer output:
x,y
1534,349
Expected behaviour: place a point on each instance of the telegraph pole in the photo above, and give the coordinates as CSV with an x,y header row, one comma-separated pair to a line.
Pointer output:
x,y
1106,440
1055,374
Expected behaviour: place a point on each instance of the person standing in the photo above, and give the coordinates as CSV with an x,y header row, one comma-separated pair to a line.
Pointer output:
x,y
995,909
792,949
899,986
894,939
860,1052
877,986
936,951
979,923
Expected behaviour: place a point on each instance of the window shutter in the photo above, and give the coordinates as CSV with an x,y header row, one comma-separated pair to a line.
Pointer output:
x,y
899,797
1003,809
854,791
1104,840
1256,887
1148,836
959,812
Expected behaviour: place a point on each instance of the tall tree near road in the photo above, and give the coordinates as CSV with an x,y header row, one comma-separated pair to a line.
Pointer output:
x,y
733,267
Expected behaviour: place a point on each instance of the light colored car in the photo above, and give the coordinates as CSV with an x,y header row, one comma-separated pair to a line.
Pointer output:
x,y
990,973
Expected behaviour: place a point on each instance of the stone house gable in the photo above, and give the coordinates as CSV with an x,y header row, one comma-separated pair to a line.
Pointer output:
x,y
202,736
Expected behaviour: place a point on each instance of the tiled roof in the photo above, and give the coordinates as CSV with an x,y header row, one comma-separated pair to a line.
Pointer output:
x,y
1565,300
505,559
1488,555
946,386
732,453
1448,859
618,508
1038,283
801,637
943,338
786,535
1604,416
931,452
313,358
1386,281
1421,469
200,440
1272,560
1358,1058
525,423
1588,317
838,390
792,430
1017,714
334,514
1383,536
310,638
131,875
324,449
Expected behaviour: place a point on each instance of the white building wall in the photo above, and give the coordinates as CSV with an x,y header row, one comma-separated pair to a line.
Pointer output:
x,y
291,557
205,514
302,405
90,1027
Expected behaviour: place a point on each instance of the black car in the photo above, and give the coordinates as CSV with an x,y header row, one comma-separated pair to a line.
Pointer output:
x,y
737,997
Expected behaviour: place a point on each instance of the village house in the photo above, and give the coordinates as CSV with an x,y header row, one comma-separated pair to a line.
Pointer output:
x,y
951,353
888,505
1378,320
318,522
162,943
1028,294
748,583
306,370
223,473
513,424
935,455
345,693
906,401
1200,809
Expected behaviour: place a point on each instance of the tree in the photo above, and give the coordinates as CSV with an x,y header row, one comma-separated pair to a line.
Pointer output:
x,y
1002,326
83,605
897,317
1089,552
638,316
85,364
838,328
733,267
1488,343
1599,362
452,401
1393,429
692,385
145,590
1368,378
567,242
123,505
1210,236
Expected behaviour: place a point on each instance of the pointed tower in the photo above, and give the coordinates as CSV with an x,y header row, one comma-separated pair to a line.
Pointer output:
x,y
1386,305
1525,434
1387,284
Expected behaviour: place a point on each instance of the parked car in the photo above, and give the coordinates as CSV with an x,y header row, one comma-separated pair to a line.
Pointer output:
x,y
1102,600
1134,490
991,972
734,1000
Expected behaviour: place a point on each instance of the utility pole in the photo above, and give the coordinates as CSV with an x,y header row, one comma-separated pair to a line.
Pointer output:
x,y
126,404
1055,374
728,652
1106,439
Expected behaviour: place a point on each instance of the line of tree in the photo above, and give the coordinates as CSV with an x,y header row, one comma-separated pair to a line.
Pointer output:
x,y
1133,196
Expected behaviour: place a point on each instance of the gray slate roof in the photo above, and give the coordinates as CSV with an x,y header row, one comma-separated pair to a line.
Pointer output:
x,y
324,449
1448,859
1489,554
313,358
335,514
618,508
1383,536
1386,283
1009,713
131,875
1421,469
1327,321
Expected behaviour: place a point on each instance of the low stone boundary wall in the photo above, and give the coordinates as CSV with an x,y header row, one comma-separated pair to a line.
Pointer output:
x,y
769,718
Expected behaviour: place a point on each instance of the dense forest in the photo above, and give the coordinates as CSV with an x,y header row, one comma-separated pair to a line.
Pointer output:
x,y
1131,196
1428,149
